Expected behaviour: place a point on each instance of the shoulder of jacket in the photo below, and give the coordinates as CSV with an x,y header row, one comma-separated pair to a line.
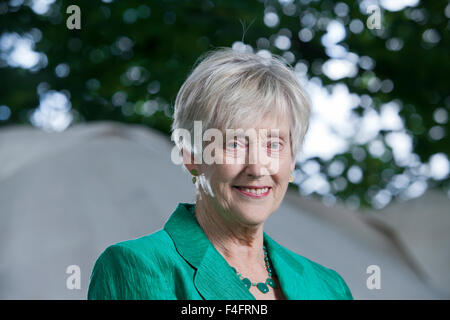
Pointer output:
x,y
131,269
151,241
146,248
328,276
310,266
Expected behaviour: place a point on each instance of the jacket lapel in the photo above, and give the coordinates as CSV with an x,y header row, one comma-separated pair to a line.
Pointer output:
x,y
214,278
289,271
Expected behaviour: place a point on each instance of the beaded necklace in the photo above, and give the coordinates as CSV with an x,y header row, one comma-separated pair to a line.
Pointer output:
x,y
262,286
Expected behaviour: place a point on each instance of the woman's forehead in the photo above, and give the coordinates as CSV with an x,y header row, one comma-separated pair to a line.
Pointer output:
x,y
268,122
271,128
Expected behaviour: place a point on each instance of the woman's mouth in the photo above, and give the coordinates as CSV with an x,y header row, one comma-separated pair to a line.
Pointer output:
x,y
253,192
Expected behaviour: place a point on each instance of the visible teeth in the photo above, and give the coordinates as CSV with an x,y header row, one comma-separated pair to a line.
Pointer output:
x,y
256,191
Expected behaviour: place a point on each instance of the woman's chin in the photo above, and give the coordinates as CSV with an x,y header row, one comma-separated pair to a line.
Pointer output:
x,y
252,214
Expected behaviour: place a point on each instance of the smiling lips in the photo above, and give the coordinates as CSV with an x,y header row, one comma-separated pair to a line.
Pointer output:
x,y
254,192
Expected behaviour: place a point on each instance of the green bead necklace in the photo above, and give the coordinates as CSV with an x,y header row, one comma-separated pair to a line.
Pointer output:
x,y
262,286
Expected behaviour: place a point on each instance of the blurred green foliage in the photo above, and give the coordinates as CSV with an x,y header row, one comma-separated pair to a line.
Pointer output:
x,y
130,58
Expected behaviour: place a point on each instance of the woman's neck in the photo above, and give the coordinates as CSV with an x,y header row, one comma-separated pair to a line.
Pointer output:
x,y
235,241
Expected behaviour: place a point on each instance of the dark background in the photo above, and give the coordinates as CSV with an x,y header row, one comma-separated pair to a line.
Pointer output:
x,y
129,59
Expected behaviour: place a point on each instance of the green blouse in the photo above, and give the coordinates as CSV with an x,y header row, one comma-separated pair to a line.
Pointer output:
x,y
179,262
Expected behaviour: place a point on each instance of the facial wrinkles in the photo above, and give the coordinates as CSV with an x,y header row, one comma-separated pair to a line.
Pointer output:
x,y
280,157
220,227
254,152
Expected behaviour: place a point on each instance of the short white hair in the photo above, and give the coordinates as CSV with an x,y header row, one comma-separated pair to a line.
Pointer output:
x,y
231,89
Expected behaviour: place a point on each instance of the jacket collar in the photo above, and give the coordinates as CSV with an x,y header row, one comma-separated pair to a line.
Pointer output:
x,y
214,278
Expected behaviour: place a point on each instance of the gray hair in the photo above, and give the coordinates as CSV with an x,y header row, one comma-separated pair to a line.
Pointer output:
x,y
231,89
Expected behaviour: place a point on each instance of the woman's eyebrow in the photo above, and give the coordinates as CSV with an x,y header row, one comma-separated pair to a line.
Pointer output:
x,y
280,134
240,135
236,135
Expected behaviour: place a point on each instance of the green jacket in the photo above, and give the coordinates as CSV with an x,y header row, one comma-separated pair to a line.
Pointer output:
x,y
179,262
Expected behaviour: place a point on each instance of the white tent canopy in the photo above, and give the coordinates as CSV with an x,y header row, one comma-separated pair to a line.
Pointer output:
x,y
64,197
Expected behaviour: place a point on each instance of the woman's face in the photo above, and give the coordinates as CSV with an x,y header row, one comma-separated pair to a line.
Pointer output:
x,y
250,190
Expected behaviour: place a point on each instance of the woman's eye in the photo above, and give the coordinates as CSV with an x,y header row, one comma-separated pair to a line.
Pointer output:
x,y
233,145
275,145
237,143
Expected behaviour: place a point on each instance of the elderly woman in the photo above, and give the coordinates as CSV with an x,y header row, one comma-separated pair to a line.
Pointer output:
x,y
216,248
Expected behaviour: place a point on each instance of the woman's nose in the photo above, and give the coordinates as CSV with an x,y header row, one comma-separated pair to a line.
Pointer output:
x,y
257,161
257,170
